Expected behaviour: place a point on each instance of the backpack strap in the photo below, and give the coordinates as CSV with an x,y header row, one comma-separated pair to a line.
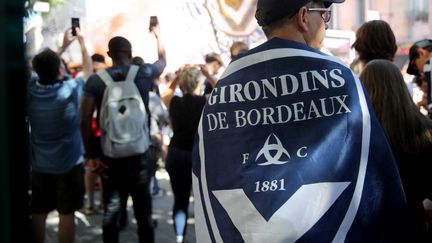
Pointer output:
x,y
106,78
133,70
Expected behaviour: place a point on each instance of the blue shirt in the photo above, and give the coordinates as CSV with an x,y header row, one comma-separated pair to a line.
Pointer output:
x,y
55,138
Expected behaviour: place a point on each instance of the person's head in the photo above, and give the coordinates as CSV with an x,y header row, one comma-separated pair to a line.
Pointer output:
x,y
375,40
169,76
119,49
385,85
191,80
393,105
419,53
98,62
48,66
238,47
137,60
213,62
300,20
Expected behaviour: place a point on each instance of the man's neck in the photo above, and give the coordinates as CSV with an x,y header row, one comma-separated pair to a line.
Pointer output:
x,y
288,34
121,62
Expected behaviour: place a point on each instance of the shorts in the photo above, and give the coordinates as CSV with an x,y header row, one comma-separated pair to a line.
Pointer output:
x,y
64,192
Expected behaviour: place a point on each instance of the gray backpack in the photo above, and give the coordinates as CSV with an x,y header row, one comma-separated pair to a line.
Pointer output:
x,y
123,117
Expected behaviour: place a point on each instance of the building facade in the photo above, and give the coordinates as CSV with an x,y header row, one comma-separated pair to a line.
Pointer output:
x,y
200,26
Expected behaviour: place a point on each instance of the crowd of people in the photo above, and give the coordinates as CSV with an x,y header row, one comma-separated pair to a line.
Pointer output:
x,y
74,153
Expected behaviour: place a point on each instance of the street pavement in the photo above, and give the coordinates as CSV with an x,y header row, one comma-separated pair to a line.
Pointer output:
x,y
89,226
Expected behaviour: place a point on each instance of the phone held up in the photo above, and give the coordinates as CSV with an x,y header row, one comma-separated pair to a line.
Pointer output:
x,y
153,22
75,24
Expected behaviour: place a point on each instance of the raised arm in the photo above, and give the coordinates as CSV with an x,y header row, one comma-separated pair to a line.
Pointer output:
x,y
86,59
68,38
206,73
168,94
160,48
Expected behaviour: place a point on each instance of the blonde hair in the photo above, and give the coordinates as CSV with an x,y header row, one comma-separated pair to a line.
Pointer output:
x,y
404,126
189,79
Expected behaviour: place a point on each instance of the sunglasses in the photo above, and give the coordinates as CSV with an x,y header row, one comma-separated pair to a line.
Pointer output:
x,y
423,43
325,13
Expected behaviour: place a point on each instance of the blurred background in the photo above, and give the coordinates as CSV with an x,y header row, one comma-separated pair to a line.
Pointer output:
x,y
192,28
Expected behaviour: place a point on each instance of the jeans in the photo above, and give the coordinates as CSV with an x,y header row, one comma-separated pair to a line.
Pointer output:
x,y
179,167
127,176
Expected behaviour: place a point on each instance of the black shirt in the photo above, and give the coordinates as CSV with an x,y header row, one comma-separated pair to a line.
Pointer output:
x,y
95,87
185,113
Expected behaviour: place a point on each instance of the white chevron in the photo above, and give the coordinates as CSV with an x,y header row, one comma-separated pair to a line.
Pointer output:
x,y
290,222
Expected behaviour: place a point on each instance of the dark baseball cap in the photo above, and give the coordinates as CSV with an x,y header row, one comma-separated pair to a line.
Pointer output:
x,y
269,11
413,54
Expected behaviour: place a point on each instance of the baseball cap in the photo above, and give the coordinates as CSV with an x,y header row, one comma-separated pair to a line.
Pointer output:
x,y
269,11
413,54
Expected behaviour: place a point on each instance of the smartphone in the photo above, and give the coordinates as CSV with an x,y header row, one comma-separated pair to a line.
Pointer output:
x,y
153,22
75,24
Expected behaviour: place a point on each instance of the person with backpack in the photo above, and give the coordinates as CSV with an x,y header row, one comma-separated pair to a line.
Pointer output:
x,y
120,96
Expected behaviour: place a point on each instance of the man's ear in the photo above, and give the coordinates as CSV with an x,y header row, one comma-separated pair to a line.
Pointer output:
x,y
302,19
61,72
422,52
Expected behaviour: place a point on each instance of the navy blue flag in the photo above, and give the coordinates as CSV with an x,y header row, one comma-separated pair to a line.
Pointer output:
x,y
287,150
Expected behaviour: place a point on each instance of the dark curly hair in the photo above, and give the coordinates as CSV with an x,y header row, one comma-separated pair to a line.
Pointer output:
x,y
375,40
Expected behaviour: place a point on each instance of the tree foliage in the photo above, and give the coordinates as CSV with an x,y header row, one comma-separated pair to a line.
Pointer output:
x,y
53,4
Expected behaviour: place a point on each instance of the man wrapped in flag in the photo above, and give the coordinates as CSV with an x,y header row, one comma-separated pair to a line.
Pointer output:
x,y
288,149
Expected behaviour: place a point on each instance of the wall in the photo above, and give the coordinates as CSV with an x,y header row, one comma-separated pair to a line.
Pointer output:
x,y
14,173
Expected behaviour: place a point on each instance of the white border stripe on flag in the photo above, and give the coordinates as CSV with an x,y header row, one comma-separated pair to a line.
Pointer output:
x,y
203,176
270,55
358,191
